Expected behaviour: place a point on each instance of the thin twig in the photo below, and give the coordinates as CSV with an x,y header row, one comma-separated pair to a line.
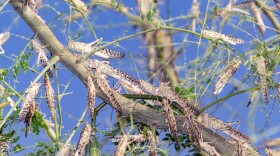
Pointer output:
x,y
51,63
226,97
77,126
85,57
269,14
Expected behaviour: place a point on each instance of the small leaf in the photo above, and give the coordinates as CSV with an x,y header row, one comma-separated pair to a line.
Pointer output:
x,y
191,150
15,71
197,154
177,148
15,139
9,135
41,144
181,139
203,73
177,89
1,71
18,148
215,8
145,131
150,16
188,143
26,56
168,135
16,112
24,65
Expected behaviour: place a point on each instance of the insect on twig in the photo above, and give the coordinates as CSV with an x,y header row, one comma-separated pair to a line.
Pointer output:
x,y
42,57
83,47
262,74
106,69
28,118
49,96
121,148
29,98
84,140
171,120
89,47
223,37
231,8
91,96
227,74
3,38
152,143
104,86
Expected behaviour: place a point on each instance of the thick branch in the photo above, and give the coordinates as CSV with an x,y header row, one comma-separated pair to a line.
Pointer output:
x,y
162,39
269,14
140,112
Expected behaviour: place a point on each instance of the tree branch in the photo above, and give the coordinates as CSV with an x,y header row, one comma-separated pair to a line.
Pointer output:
x,y
269,14
161,38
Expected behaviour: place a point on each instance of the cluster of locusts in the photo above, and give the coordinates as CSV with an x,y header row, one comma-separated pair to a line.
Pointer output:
x,y
239,8
169,97
235,63
102,68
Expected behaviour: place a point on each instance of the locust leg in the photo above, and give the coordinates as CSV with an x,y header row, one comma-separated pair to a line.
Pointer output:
x,y
2,51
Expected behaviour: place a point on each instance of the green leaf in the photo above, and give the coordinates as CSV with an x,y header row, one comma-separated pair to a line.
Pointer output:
x,y
163,152
18,148
215,8
41,144
150,16
3,73
15,139
197,154
145,131
51,150
192,150
181,138
15,71
111,133
188,143
26,56
37,122
177,89
16,112
168,135
177,148
9,135
30,154
24,65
